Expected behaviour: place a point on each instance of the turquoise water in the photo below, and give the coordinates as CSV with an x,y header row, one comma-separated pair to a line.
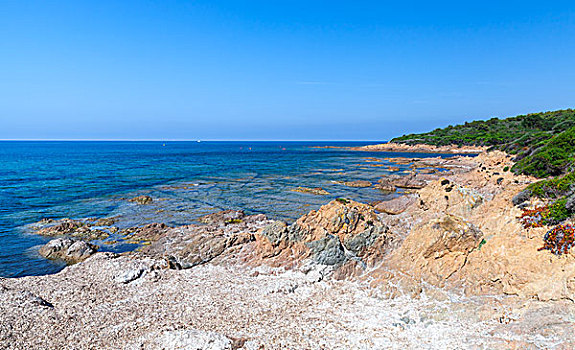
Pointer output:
x,y
92,179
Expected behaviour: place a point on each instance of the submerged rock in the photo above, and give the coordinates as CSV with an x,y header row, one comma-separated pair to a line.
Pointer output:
x,y
358,183
143,199
223,217
73,228
317,190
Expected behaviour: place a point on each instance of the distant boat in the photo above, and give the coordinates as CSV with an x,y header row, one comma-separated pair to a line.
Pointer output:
x,y
199,141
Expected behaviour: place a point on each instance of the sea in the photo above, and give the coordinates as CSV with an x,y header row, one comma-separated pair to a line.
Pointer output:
x,y
89,179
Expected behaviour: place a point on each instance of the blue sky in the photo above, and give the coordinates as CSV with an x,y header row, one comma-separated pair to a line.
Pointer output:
x,y
267,70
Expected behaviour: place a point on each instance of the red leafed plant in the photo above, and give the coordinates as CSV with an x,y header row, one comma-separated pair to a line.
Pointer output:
x,y
534,217
559,239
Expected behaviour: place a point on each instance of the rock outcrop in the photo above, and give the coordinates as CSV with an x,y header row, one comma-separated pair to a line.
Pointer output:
x,y
438,249
188,246
338,232
69,250
397,205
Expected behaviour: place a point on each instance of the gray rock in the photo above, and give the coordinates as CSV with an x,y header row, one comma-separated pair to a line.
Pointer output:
x,y
327,251
570,204
275,232
80,250
358,243
521,197
130,275
67,249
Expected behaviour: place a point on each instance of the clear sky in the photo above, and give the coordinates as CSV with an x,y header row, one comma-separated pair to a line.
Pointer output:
x,y
276,69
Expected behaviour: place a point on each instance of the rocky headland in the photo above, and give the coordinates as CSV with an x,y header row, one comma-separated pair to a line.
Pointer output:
x,y
416,148
447,264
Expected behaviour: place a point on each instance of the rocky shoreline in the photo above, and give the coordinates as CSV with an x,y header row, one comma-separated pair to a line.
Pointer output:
x,y
420,148
446,265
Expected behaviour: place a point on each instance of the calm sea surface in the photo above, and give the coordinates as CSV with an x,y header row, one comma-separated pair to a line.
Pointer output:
x,y
92,179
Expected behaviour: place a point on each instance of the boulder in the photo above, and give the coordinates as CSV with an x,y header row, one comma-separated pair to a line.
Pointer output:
x,y
521,197
436,250
149,232
570,204
106,221
69,250
327,250
397,205
60,227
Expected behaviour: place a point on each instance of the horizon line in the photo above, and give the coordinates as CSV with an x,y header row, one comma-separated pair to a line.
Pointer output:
x,y
188,140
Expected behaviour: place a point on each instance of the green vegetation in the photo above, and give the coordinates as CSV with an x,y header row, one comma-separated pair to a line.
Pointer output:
x,y
552,157
554,187
543,145
481,244
558,212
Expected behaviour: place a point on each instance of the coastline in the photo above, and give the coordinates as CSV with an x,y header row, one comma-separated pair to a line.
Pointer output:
x,y
451,256
420,148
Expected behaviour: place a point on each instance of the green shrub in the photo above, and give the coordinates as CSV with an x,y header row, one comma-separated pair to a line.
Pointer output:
x,y
553,188
553,158
558,212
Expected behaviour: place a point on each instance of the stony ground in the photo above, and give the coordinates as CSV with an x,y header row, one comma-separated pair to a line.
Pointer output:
x,y
101,303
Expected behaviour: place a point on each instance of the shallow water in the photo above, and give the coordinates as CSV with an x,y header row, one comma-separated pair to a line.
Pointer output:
x,y
186,179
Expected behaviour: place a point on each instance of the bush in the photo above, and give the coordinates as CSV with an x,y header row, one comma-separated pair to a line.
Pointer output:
x,y
559,239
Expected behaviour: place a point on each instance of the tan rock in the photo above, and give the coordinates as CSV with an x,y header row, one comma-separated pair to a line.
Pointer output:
x,y
397,205
437,249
